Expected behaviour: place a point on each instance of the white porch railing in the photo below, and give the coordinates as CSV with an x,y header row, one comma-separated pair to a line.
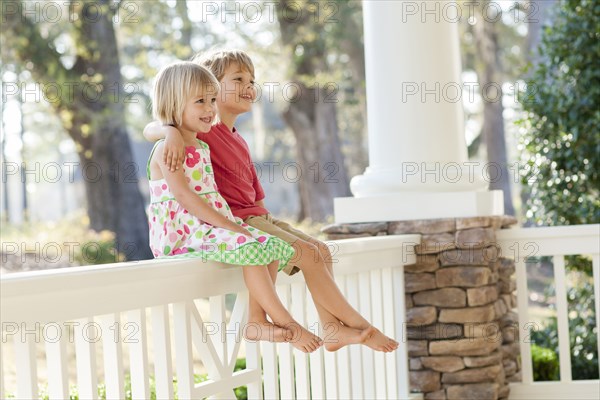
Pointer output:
x,y
556,242
109,305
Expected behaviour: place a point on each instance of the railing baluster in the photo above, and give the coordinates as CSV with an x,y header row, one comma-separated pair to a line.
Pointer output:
x,y
298,311
286,355
596,280
138,355
161,337
355,351
2,396
26,365
343,356
562,318
235,330
368,370
253,362
113,356
317,375
402,353
377,302
523,309
331,371
183,350
85,350
218,316
271,381
389,328
58,377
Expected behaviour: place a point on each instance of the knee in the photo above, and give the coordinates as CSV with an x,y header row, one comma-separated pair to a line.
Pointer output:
x,y
306,253
324,250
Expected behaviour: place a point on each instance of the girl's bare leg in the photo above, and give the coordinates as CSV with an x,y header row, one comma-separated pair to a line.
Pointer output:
x,y
258,327
260,285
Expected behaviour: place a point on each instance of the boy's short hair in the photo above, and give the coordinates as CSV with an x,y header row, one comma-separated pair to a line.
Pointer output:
x,y
217,61
174,85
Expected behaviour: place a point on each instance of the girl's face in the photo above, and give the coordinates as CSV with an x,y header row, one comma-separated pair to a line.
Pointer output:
x,y
200,110
237,90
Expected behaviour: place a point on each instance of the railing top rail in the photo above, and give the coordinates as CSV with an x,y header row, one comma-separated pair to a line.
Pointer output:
x,y
549,232
521,243
70,293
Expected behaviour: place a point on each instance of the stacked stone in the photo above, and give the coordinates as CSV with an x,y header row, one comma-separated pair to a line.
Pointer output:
x,y
462,336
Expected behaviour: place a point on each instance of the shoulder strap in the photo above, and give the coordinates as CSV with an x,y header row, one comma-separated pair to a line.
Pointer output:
x,y
150,157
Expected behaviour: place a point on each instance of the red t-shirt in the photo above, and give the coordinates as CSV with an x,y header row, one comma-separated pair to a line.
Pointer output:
x,y
235,174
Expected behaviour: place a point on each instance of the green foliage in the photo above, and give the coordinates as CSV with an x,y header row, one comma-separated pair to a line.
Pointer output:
x,y
562,102
583,340
545,364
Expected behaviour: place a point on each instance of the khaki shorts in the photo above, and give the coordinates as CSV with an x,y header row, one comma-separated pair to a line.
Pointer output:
x,y
282,230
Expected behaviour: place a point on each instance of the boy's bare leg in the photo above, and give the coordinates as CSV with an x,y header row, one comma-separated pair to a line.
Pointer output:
x,y
258,326
259,283
330,303
335,334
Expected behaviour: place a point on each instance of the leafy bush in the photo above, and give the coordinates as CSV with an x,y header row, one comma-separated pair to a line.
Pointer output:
x,y
583,340
545,364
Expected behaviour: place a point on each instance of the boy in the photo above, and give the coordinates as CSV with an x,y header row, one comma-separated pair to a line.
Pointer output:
x,y
237,182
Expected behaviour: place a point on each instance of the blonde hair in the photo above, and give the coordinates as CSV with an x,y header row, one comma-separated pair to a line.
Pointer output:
x,y
175,84
218,61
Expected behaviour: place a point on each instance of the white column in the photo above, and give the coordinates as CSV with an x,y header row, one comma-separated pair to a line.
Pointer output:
x,y
417,151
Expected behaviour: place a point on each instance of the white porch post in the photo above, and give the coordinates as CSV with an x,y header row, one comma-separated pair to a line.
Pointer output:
x,y
418,165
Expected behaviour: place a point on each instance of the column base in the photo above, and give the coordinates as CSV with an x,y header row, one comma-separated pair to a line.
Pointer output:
x,y
418,205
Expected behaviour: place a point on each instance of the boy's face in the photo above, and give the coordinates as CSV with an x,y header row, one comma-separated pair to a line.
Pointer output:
x,y
237,90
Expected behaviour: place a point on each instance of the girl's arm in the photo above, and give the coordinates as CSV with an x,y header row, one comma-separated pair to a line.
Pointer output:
x,y
193,203
174,152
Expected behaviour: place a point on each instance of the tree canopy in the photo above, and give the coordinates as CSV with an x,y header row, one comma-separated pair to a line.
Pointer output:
x,y
562,100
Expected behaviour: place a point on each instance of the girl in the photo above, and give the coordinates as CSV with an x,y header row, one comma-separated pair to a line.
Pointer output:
x,y
189,218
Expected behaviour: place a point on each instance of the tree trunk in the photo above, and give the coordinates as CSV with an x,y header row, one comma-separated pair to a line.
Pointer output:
x,y
95,121
323,175
312,116
490,82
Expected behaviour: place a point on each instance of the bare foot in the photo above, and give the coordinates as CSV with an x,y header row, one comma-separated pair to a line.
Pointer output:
x,y
338,336
302,339
264,330
378,341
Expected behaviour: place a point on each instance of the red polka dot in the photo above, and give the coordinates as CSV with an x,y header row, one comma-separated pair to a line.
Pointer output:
x,y
164,186
241,239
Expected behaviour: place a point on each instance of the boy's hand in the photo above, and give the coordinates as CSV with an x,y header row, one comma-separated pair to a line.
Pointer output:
x,y
174,151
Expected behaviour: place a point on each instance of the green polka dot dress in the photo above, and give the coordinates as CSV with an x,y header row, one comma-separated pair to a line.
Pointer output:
x,y
176,233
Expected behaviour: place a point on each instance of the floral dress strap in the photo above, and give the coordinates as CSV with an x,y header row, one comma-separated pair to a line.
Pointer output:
x,y
150,157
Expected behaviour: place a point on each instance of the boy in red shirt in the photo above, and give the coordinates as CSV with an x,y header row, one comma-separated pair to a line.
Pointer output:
x,y
237,182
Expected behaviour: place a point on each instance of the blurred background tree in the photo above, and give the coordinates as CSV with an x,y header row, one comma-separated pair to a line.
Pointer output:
x,y
83,57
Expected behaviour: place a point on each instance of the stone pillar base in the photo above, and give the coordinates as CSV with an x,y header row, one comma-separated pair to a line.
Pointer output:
x,y
462,333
